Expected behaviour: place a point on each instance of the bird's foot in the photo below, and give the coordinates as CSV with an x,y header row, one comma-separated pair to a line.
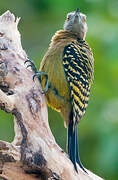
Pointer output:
x,y
38,74
32,65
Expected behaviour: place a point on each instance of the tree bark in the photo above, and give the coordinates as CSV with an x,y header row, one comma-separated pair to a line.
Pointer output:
x,y
33,154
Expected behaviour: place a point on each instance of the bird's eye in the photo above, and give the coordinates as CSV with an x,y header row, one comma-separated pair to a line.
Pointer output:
x,y
67,19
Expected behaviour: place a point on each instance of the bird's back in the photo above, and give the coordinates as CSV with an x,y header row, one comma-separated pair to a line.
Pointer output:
x,y
59,95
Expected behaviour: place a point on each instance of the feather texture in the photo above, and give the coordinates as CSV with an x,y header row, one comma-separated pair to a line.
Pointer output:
x,y
79,74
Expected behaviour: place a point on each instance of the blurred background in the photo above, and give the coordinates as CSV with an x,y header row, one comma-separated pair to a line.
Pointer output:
x,y
98,130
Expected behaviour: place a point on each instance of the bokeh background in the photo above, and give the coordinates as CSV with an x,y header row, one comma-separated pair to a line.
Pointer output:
x,y
98,130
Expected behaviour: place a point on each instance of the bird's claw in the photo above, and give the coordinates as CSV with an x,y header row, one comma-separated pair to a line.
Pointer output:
x,y
31,64
37,74
28,66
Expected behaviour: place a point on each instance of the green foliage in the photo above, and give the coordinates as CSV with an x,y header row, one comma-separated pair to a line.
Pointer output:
x,y
98,130
6,127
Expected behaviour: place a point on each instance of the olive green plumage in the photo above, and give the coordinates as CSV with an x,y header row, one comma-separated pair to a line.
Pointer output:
x,y
59,93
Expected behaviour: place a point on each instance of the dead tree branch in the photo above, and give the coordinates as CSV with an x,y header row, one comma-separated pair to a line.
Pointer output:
x,y
33,154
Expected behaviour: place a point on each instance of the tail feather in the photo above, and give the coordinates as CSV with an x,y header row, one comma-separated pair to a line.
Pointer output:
x,y
73,145
77,152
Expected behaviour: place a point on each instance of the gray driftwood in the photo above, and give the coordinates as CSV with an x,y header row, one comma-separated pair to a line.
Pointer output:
x,y
33,154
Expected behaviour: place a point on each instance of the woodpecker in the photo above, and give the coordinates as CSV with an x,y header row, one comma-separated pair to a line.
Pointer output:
x,y
69,66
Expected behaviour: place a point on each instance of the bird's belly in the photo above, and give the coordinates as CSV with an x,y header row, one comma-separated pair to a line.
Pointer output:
x,y
57,97
58,94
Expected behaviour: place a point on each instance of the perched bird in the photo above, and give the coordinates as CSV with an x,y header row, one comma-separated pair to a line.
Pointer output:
x,y
69,65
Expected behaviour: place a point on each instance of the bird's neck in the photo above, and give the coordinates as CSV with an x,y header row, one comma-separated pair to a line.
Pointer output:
x,y
64,35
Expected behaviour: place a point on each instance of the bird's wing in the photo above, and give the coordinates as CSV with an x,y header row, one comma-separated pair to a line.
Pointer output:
x,y
77,70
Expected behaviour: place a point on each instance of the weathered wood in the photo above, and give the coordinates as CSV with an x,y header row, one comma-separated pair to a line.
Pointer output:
x,y
34,153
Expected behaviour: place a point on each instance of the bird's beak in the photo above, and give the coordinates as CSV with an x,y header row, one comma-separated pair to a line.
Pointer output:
x,y
77,13
77,10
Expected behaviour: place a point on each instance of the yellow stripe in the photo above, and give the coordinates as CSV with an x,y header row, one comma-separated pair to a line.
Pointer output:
x,y
72,45
70,75
78,48
78,100
70,55
77,90
73,70
77,108
65,56
80,68
85,59
83,53
65,62
86,104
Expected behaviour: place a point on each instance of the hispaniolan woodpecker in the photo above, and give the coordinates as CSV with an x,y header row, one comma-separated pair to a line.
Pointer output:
x,y
69,65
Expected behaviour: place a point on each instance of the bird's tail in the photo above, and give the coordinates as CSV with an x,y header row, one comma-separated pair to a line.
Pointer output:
x,y
73,150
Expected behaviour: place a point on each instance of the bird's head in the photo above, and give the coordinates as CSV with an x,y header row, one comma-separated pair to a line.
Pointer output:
x,y
76,23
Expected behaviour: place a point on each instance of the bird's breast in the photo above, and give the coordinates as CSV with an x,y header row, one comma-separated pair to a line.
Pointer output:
x,y
58,93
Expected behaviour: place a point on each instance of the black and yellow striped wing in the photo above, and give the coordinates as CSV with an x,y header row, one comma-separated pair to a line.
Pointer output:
x,y
77,67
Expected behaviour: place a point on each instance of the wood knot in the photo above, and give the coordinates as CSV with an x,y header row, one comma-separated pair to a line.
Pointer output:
x,y
3,69
34,102
6,158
